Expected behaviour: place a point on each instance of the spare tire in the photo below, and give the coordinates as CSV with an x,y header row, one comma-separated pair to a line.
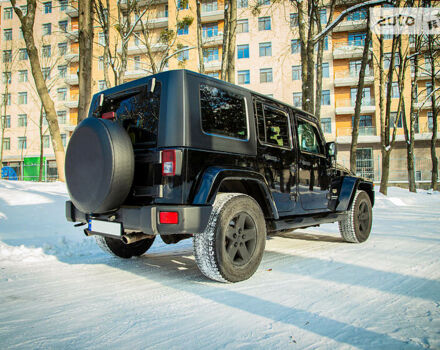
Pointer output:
x,y
99,165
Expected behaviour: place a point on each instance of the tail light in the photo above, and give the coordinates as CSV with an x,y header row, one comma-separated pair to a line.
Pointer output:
x,y
169,162
169,217
108,115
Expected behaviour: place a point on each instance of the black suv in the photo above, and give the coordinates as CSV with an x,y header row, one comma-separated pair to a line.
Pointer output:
x,y
181,155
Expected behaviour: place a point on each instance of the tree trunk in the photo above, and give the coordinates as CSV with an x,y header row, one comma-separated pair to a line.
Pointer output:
x,y
228,54
359,95
3,121
385,171
85,10
434,173
27,26
40,129
199,37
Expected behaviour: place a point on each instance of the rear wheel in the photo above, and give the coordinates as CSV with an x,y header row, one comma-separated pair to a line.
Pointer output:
x,y
356,227
232,246
118,248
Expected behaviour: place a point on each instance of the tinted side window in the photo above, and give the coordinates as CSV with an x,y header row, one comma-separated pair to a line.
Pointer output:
x,y
273,126
138,114
308,138
223,112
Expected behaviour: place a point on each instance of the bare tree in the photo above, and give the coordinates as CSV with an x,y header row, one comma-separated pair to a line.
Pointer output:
x,y
27,26
229,33
199,37
359,95
85,8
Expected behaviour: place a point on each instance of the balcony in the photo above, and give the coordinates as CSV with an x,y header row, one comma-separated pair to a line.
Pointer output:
x,y
71,79
211,16
215,40
71,104
347,78
124,6
72,9
348,49
346,26
426,105
346,106
367,134
213,66
72,35
137,49
72,56
135,74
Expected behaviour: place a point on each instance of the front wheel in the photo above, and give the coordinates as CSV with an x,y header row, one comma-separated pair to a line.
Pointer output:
x,y
232,245
118,248
356,227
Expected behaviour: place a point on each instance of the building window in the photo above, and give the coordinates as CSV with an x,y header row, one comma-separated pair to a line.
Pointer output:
x,y
64,139
182,5
62,71
244,77
22,120
101,38
47,7
209,6
325,70
210,30
20,33
323,16
7,56
23,9
46,141
357,15
266,75
6,144
297,99
62,94
63,26
242,4
430,121
393,117
102,85
6,77
213,74
22,98
295,45
395,90
242,26
387,60
364,163
22,54
210,54
62,49
365,125
264,23
7,13
366,96
325,98
22,142
6,98
137,62
47,28
101,63
243,51
355,68
62,117
63,5
46,73
47,51
293,20
265,49
6,120
296,72
183,30
183,55
356,39
326,125
263,2
428,88
7,34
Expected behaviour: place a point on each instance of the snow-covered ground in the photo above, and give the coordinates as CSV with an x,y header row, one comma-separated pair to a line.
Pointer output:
x,y
312,291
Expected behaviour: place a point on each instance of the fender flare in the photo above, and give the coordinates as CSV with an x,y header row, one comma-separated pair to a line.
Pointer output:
x,y
346,188
213,177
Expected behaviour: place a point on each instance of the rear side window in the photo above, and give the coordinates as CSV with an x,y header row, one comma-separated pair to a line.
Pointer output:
x,y
273,126
308,137
138,113
223,113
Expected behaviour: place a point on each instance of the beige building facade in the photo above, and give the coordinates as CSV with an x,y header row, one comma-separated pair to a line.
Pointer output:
x,y
267,60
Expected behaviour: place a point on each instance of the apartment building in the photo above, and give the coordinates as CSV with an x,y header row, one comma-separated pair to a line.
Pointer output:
x,y
267,60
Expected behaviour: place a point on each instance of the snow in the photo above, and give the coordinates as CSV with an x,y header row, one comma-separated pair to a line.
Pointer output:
x,y
58,290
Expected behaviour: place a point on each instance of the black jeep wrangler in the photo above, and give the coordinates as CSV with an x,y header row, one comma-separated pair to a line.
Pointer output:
x,y
181,155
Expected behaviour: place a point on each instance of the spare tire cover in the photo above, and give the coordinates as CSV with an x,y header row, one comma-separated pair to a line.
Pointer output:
x,y
99,165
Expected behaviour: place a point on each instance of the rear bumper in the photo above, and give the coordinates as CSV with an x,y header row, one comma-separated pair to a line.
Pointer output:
x,y
192,219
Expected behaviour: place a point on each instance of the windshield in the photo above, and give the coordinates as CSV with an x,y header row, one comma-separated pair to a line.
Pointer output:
x,y
138,113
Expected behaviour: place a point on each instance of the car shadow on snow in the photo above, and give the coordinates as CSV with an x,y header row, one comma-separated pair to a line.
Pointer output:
x,y
178,270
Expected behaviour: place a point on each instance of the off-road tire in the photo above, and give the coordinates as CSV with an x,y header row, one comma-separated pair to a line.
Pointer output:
x,y
118,248
223,252
356,227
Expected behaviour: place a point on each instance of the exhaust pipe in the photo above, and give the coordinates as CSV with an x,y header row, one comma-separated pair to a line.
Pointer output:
x,y
134,237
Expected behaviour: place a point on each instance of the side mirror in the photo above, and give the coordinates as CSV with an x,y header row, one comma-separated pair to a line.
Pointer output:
x,y
331,150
